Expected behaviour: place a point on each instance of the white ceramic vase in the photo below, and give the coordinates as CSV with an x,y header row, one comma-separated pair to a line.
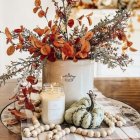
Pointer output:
x,y
76,77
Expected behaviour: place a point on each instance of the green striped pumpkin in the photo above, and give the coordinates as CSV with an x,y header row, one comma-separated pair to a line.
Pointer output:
x,y
85,113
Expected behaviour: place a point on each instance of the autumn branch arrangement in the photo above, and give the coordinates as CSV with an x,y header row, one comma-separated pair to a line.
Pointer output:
x,y
64,38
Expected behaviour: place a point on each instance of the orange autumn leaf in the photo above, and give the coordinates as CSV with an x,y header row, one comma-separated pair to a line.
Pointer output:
x,y
19,46
10,50
82,54
89,14
68,50
125,47
81,17
85,45
41,13
129,43
58,43
45,50
8,34
89,21
132,49
32,39
36,9
50,23
88,35
21,39
46,30
39,44
39,31
54,29
37,3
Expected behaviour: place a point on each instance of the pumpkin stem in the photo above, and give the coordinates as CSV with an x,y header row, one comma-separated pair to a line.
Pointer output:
x,y
92,98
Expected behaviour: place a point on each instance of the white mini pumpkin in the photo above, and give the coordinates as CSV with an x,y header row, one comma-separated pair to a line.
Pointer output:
x,y
85,113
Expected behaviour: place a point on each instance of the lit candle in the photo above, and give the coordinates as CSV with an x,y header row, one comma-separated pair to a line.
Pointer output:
x,y
53,103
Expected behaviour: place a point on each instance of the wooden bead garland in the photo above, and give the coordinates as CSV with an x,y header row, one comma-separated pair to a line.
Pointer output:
x,y
55,132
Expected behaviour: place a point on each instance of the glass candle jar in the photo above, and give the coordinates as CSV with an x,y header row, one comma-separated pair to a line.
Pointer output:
x,y
52,103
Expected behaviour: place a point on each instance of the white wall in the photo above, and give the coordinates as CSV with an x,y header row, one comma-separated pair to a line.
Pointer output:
x,y
19,12
13,14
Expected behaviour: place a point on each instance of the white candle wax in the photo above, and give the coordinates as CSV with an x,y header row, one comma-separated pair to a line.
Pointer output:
x,y
53,105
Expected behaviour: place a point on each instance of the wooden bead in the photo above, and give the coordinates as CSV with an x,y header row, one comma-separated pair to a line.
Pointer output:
x,y
63,132
55,131
58,127
97,134
119,124
47,127
90,133
114,120
123,120
36,125
84,132
27,134
79,131
60,134
111,124
56,137
50,132
49,137
31,128
109,132
38,130
72,129
34,133
42,128
52,126
26,130
103,133
67,130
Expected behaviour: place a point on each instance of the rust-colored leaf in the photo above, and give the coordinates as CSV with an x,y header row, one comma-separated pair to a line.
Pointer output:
x,y
32,50
8,34
54,29
68,50
31,79
129,43
39,44
125,47
50,23
45,50
37,3
47,10
88,35
41,13
89,21
21,39
89,14
39,31
71,23
36,9
28,104
11,50
11,122
19,46
19,115
58,44
80,18
132,49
